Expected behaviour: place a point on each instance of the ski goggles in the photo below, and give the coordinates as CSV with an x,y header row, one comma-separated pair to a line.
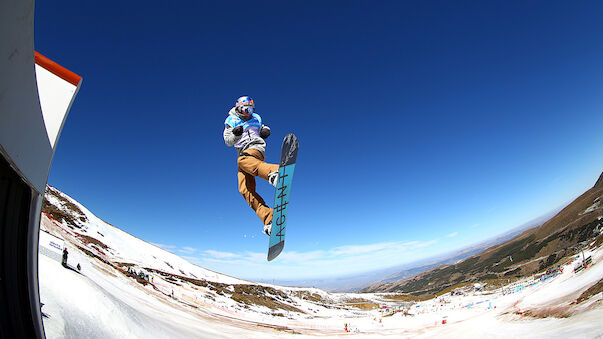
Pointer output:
x,y
247,110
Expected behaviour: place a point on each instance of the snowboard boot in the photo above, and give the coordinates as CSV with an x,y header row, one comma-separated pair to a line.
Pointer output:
x,y
267,229
273,178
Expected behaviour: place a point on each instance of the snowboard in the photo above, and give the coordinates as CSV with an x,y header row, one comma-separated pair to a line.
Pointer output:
x,y
282,195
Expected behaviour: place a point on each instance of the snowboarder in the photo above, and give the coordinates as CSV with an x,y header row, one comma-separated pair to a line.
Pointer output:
x,y
244,130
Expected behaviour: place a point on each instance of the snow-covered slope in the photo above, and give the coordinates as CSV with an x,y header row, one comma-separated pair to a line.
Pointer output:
x,y
116,286
115,245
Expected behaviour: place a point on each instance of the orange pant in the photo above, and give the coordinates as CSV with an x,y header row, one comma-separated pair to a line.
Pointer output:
x,y
251,164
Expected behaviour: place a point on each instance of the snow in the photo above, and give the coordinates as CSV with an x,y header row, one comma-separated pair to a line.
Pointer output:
x,y
84,307
103,301
127,248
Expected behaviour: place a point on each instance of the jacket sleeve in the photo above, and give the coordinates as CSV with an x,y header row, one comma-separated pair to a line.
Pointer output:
x,y
229,138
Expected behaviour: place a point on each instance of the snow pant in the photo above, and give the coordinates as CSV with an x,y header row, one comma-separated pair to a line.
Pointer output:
x,y
251,164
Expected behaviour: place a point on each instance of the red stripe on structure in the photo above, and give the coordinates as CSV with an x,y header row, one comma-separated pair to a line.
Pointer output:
x,y
57,69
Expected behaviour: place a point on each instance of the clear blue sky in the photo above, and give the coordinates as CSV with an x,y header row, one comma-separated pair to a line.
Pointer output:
x,y
424,126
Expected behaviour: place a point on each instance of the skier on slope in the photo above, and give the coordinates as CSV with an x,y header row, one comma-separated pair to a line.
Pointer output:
x,y
243,129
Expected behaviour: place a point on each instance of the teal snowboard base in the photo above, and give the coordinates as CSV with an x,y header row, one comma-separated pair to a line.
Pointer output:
x,y
282,195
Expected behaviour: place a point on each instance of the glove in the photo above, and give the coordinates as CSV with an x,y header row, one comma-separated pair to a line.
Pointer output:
x,y
264,132
237,131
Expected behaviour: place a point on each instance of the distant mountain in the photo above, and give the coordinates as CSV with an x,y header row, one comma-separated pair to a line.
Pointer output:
x,y
528,252
456,256
358,281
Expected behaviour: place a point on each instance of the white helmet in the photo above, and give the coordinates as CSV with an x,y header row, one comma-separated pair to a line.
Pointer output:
x,y
245,105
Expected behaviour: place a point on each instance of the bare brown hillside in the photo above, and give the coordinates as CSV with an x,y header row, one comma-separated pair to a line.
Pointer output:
x,y
528,253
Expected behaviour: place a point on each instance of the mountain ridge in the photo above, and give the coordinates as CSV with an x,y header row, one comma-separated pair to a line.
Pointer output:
x,y
356,282
529,252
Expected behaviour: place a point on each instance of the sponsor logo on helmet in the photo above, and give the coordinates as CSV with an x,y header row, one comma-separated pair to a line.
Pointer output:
x,y
245,101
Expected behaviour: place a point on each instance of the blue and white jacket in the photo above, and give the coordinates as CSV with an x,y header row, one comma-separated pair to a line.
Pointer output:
x,y
250,139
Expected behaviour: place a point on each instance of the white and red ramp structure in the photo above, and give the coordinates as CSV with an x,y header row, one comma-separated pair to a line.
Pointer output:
x,y
35,97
